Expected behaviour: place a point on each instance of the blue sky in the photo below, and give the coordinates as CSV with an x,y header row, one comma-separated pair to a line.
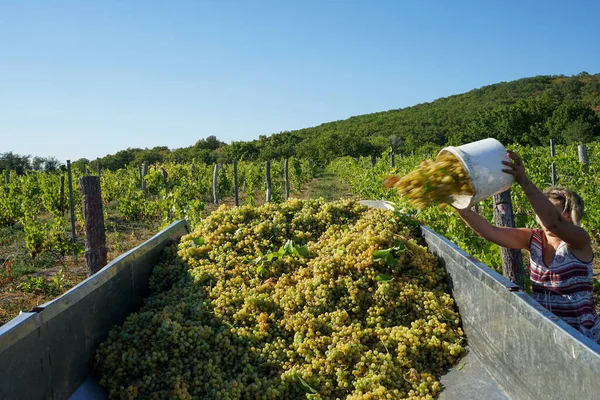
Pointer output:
x,y
89,78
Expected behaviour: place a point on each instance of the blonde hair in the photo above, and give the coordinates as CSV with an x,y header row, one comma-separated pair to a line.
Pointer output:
x,y
570,201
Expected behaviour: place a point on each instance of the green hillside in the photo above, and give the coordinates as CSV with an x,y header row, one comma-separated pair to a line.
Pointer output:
x,y
528,111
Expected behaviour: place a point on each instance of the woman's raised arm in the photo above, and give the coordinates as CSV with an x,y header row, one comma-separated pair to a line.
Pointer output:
x,y
511,238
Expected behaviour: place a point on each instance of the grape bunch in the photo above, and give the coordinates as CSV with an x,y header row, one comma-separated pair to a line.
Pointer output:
x,y
301,300
433,182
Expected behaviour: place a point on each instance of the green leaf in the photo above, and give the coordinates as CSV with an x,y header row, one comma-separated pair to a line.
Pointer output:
x,y
260,270
381,254
390,260
198,242
289,247
306,386
384,278
275,254
257,260
301,251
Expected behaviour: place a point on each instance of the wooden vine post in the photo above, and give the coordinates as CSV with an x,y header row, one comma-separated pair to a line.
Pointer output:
x,y
93,215
512,261
7,176
214,186
393,159
98,167
145,172
61,195
268,179
235,183
71,204
553,163
165,177
141,177
286,176
373,160
583,154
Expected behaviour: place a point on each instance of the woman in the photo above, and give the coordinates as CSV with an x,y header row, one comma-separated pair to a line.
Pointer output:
x,y
561,251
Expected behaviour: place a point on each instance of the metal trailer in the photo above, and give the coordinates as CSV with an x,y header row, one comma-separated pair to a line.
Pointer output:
x,y
516,349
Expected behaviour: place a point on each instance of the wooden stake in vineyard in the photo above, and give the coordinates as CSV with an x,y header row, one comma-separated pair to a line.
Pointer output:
x,y
165,177
215,177
235,183
7,176
268,179
145,172
141,177
286,177
93,215
583,154
61,197
553,163
71,204
512,260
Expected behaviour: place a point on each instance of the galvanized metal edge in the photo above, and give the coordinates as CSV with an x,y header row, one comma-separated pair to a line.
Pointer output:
x,y
25,323
529,351
479,269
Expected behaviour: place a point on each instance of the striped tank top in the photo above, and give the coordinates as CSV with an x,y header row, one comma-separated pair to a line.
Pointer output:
x,y
565,287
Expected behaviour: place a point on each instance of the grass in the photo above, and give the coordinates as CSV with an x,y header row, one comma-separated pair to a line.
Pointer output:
x,y
26,283
328,186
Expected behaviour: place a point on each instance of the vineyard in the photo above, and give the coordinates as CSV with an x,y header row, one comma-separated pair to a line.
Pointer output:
x,y
40,253
292,299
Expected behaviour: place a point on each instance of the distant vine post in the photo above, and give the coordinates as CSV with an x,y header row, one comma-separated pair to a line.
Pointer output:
x,y
268,179
93,215
373,160
583,154
98,167
141,177
165,177
512,261
144,175
235,183
551,148
7,176
214,187
71,204
393,159
553,173
61,195
287,178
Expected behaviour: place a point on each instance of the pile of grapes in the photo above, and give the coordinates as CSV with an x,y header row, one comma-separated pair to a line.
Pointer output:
x,y
433,182
302,300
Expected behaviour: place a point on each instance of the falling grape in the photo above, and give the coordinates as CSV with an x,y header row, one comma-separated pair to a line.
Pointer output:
x,y
433,182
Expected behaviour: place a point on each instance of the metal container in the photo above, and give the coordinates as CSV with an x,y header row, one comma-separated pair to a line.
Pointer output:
x,y
516,348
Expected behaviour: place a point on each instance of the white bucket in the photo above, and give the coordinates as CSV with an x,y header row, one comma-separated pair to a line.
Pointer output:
x,y
483,162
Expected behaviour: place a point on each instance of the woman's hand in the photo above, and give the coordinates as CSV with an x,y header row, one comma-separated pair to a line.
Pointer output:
x,y
516,168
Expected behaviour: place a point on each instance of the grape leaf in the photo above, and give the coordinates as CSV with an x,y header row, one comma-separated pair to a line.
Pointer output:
x,y
289,247
301,251
306,386
198,242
